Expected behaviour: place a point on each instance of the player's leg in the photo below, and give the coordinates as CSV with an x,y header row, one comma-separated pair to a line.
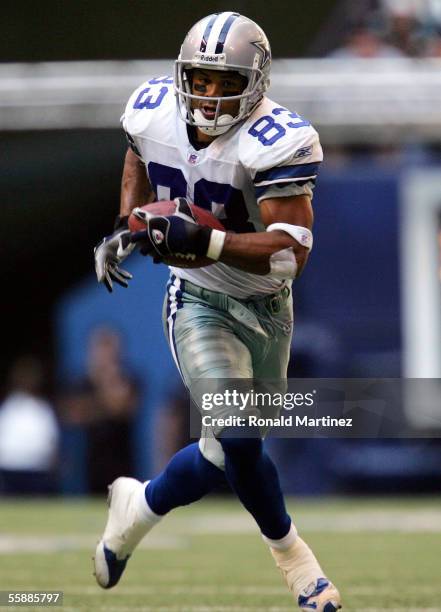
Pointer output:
x,y
250,471
206,345
297,563
253,476
203,345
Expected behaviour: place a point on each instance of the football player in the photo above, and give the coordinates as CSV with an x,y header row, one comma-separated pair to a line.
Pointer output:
x,y
210,135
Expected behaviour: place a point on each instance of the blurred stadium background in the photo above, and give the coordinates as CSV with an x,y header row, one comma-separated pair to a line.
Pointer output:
x,y
95,393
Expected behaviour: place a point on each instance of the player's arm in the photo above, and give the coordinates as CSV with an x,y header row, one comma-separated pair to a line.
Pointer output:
x,y
252,252
113,249
135,187
282,250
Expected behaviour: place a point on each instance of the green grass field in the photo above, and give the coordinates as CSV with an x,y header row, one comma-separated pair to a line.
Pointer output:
x,y
382,554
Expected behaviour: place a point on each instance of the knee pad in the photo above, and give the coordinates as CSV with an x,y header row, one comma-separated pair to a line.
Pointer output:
x,y
212,451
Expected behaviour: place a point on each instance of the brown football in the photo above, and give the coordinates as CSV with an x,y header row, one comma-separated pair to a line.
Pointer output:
x,y
167,208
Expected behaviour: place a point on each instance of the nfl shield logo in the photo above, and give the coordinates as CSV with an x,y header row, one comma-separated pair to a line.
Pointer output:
x,y
192,158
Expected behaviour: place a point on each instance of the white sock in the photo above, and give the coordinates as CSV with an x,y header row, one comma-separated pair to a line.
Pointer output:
x,y
299,566
285,542
145,513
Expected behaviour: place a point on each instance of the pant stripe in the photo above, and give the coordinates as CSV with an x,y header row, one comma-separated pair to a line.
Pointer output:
x,y
174,303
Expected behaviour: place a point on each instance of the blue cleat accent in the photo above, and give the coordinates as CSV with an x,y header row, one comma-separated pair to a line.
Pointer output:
x,y
115,566
321,585
312,601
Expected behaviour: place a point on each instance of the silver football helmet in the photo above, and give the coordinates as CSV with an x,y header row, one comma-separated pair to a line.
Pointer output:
x,y
223,41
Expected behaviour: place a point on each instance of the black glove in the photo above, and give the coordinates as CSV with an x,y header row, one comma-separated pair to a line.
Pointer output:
x,y
110,252
177,235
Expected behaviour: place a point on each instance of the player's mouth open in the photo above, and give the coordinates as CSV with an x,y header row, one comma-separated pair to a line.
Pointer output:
x,y
209,112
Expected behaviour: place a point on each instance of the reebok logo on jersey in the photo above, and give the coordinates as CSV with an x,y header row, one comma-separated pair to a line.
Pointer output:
x,y
303,152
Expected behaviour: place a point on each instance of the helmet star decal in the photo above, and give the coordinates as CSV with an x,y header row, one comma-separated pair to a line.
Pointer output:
x,y
259,44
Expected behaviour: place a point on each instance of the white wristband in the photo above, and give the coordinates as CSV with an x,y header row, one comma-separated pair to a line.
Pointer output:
x,y
216,244
302,234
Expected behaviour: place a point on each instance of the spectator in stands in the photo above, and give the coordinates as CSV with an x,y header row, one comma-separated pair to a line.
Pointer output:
x,y
105,403
364,42
413,26
423,11
402,27
29,433
432,45
391,29
172,431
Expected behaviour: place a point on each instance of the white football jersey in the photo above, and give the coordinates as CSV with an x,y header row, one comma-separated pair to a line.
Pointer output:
x,y
274,153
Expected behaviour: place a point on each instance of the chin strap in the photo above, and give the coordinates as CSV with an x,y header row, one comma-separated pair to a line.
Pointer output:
x,y
207,126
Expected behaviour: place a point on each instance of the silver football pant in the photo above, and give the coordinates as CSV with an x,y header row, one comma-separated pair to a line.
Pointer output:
x,y
214,336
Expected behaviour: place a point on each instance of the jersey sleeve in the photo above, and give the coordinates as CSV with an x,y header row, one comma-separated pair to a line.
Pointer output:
x,y
282,154
141,109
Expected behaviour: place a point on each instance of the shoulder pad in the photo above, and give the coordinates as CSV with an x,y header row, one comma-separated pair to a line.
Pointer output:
x,y
152,98
274,136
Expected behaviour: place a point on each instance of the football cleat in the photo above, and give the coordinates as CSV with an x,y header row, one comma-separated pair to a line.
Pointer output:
x,y
129,520
305,578
320,597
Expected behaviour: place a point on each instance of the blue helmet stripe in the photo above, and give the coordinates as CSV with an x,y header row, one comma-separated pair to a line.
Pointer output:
x,y
203,46
223,33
